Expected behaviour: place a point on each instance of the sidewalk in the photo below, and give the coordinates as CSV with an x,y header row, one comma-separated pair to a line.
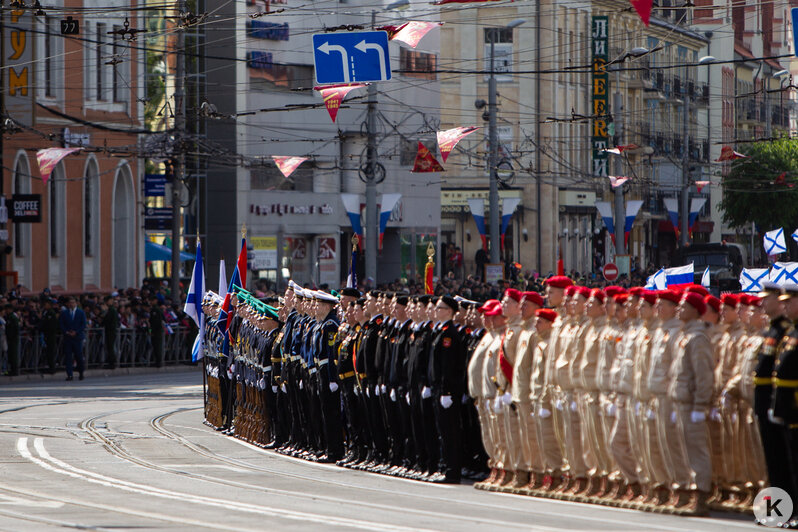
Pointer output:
x,y
96,373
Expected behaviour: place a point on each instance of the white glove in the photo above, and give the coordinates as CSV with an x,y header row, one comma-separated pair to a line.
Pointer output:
x,y
532,413
696,416
673,416
274,388
301,384
573,406
393,395
367,392
650,414
357,391
377,391
637,408
611,409
384,388
446,401
232,368
734,417
724,400
774,419
282,387
714,415
544,413
464,399
558,404
426,393
507,398
407,397
497,405
333,387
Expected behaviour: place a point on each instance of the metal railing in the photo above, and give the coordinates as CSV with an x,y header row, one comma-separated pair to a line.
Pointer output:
x,y
134,348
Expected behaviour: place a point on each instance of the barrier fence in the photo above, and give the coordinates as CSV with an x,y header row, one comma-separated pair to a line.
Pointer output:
x,y
134,348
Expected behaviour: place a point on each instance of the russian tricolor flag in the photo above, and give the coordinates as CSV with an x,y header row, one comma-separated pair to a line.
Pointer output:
x,y
681,276
477,207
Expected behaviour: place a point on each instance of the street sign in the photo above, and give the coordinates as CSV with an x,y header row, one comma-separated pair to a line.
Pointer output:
x,y
155,185
157,218
610,271
794,12
26,208
351,57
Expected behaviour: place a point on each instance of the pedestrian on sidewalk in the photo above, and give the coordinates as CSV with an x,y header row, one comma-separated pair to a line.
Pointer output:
x,y
73,325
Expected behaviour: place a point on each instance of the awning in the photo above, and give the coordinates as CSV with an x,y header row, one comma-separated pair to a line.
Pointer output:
x,y
153,251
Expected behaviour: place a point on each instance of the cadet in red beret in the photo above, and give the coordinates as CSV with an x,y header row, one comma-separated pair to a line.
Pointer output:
x,y
670,296
559,281
555,290
698,289
712,313
546,314
598,295
696,301
533,297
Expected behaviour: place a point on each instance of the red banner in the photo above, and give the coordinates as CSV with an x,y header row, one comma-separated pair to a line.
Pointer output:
x,y
50,157
425,162
428,270
700,184
287,165
643,8
412,32
333,95
727,153
448,139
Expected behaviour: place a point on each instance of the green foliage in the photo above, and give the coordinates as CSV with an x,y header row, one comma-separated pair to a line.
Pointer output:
x,y
762,188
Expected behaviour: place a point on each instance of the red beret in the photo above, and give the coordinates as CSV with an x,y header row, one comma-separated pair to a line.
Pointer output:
x,y
713,302
696,301
570,290
546,314
495,310
583,291
670,295
698,289
749,299
488,305
559,281
621,298
514,294
613,290
533,297
636,291
598,295
650,297
730,300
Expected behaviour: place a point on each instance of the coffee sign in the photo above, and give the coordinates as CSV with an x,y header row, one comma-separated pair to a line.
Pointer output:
x,y
26,208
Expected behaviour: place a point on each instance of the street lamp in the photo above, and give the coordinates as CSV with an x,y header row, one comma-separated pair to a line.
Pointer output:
x,y
493,198
707,60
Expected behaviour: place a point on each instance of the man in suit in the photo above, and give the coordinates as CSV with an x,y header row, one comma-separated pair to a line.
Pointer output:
x,y
73,325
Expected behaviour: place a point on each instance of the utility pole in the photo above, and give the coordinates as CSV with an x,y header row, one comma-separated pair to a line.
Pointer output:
x,y
685,208
180,156
493,198
620,211
372,217
538,154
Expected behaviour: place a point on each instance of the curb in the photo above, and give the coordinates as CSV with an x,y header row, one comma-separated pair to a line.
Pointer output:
x,y
60,375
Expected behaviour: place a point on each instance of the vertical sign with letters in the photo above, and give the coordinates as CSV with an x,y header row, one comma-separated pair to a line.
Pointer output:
x,y
18,51
599,94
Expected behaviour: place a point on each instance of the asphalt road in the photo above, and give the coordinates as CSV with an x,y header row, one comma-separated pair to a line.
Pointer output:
x,y
131,453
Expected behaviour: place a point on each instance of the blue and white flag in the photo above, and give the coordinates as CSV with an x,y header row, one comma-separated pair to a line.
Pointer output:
x,y
193,306
795,236
751,279
680,276
783,273
705,278
658,281
774,242
222,279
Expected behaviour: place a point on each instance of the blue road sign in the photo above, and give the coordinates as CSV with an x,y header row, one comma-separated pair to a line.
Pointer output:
x,y
795,29
154,185
351,57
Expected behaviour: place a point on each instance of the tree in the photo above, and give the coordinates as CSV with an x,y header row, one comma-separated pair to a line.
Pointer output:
x,y
762,188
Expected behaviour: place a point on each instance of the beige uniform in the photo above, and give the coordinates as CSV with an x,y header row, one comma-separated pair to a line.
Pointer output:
x,y
637,411
690,389
657,417
549,417
585,369
520,390
491,365
715,421
476,390
508,418
571,344
541,428
610,340
622,385
728,364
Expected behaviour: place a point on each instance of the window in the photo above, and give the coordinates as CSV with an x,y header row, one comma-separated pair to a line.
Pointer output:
x,y
421,64
49,51
20,177
503,35
98,58
115,73
91,208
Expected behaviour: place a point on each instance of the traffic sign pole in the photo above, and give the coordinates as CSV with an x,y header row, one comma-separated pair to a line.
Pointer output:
x,y
372,216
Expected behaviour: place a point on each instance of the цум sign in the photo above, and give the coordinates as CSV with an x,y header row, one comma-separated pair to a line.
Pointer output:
x,y
26,208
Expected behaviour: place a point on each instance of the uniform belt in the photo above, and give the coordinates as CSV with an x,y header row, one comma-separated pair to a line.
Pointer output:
x,y
361,375
346,375
267,368
294,358
763,381
785,383
312,371
323,362
275,360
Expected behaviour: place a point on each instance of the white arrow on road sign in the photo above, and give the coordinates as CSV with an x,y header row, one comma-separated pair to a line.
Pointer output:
x,y
363,46
326,48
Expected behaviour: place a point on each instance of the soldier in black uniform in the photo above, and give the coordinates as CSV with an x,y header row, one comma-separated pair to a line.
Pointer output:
x,y
446,376
421,401
396,376
366,356
772,440
329,395
784,406
345,345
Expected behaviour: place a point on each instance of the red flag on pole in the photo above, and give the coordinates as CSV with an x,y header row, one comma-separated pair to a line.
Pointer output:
x,y
448,139
412,32
727,153
428,270
48,158
425,162
333,95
